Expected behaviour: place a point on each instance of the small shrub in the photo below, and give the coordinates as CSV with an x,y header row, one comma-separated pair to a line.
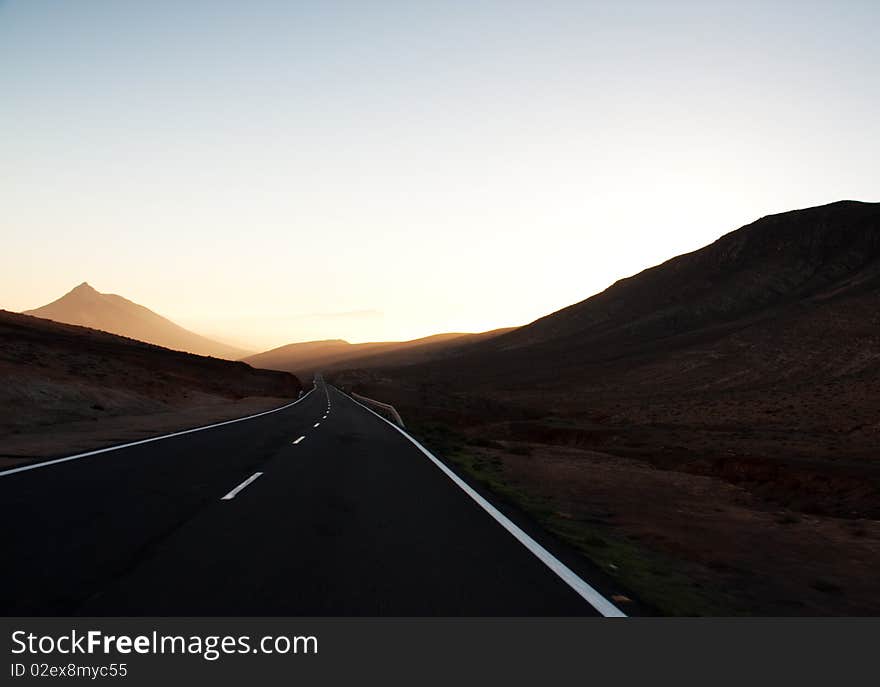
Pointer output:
x,y
482,442
826,587
788,519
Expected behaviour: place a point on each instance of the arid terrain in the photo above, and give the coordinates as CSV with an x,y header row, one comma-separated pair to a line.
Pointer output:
x,y
707,430
67,388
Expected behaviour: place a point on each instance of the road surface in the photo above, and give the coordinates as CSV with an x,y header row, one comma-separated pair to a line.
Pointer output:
x,y
319,509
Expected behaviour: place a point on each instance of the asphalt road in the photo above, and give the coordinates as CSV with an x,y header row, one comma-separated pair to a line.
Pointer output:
x,y
353,520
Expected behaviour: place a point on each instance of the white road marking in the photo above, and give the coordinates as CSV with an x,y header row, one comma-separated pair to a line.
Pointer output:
x,y
316,424
47,463
324,418
298,440
566,574
232,494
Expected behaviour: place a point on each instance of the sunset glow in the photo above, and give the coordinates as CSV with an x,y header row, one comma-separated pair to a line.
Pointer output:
x,y
270,172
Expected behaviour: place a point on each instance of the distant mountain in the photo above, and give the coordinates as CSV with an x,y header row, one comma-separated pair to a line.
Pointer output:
x,y
310,356
86,307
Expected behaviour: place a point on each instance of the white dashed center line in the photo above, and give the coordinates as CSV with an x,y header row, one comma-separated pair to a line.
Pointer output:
x,y
232,494
298,440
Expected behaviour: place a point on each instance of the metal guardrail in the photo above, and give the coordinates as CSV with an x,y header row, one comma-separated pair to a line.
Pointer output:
x,y
390,409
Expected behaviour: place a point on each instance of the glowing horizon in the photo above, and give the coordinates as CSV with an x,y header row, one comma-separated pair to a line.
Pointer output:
x,y
273,172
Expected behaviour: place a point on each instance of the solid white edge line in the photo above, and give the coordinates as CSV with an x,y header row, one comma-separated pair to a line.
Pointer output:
x,y
232,494
566,574
55,461
299,440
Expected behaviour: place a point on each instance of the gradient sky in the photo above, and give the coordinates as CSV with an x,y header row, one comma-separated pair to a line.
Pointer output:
x,y
271,171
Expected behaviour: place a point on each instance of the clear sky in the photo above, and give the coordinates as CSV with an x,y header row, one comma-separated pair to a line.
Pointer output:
x,y
268,171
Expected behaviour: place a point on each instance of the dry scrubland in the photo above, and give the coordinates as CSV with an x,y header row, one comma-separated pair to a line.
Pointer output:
x,y
707,430
67,388
695,519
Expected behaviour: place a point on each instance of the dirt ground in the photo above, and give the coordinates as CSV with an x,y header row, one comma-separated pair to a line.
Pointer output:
x,y
68,389
769,561
733,503
83,435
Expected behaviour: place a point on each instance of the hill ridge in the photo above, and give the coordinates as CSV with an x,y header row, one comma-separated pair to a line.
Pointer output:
x,y
85,306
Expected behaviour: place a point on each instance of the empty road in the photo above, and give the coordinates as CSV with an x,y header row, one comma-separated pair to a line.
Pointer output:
x,y
318,509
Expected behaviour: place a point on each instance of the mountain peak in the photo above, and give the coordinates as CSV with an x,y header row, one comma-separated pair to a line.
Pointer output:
x,y
85,307
85,287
